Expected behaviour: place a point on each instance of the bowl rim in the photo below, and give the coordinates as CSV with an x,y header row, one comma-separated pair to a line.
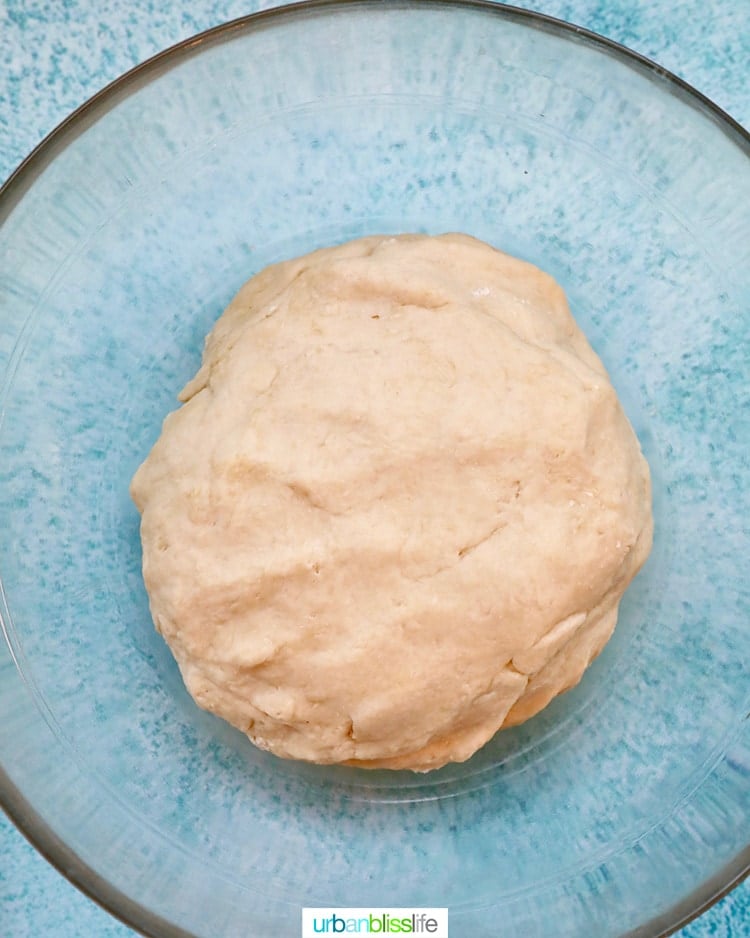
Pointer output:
x,y
22,814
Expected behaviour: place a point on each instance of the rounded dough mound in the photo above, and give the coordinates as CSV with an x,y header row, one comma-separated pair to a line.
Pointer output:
x,y
398,507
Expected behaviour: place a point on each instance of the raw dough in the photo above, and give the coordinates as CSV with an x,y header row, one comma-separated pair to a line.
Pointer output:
x,y
398,507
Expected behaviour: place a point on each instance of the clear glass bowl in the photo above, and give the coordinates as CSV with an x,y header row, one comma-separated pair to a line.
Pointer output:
x,y
623,808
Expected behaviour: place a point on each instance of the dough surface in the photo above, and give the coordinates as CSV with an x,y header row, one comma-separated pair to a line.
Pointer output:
x,y
398,506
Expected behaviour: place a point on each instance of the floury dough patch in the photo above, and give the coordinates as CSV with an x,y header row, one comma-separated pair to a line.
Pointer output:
x,y
397,508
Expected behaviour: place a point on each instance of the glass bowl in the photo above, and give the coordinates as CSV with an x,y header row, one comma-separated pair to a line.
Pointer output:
x,y
623,807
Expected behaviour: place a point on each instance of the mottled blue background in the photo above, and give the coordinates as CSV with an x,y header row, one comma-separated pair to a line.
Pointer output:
x,y
54,55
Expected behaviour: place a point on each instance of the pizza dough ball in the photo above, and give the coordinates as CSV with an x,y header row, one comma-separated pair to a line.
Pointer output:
x,y
398,507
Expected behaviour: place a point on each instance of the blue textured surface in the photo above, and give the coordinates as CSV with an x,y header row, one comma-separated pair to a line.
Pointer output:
x,y
54,56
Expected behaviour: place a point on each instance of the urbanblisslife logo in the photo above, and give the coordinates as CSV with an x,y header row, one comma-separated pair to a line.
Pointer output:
x,y
431,923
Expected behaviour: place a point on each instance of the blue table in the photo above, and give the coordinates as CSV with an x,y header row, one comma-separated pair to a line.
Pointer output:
x,y
54,54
